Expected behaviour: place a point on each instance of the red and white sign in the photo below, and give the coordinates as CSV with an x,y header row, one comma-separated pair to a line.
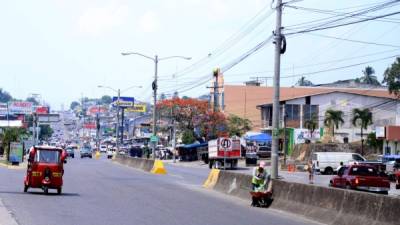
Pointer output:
x,y
89,125
224,146
42,110
93,110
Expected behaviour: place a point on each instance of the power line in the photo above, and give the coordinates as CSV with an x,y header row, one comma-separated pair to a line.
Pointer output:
x,y
355,41
343,24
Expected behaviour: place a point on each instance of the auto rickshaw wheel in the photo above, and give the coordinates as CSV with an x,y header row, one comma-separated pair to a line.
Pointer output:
x,y
59,191
26,188
46,190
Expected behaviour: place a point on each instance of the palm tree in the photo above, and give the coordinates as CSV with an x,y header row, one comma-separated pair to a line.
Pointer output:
x,y
369,77
304,82
311,124
333,118
362,118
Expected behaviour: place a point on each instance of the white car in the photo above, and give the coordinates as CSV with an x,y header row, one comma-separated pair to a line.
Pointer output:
x,y
103,148
110,153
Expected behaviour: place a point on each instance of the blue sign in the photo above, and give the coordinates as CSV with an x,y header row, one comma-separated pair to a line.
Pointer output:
x,y
123,101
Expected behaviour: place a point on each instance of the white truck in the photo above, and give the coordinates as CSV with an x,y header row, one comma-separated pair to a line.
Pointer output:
x,y
223,151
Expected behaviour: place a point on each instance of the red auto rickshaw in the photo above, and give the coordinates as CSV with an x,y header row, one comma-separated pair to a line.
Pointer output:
x,y
45,168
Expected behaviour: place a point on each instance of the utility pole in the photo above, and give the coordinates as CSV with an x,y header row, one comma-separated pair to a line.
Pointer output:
x,y
117,127
173,135
122,124
275,114
216,105
154,86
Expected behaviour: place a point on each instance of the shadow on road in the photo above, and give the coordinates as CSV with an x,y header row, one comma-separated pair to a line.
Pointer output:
x,y
38,193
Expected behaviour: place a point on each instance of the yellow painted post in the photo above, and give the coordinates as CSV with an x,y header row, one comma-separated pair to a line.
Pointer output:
x,y
158,167
212,179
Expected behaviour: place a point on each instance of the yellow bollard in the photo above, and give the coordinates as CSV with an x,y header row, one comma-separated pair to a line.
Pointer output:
x,y
158,168
97,155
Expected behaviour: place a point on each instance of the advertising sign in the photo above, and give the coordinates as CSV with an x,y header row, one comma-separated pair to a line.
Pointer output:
x,y
89,125
3,109
137,108
48,118
123,101
93,110
300,135
380,132
16,152
20,107
42,110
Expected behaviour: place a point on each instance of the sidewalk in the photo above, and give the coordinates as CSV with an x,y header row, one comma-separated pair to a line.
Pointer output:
x,y
4,163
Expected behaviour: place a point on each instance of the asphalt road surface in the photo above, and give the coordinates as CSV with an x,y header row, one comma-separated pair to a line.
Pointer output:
x,y
102,192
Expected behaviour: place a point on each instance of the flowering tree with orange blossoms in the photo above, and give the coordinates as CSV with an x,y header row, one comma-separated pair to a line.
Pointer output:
x,y
191,114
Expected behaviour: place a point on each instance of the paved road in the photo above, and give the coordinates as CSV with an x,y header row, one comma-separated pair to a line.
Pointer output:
x,y
101,192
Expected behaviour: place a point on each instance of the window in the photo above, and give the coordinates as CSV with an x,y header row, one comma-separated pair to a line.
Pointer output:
x,y
292,112
47,156
363,171
357,158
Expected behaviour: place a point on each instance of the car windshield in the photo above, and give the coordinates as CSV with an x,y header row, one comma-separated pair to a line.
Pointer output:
x,y
363,171
47,156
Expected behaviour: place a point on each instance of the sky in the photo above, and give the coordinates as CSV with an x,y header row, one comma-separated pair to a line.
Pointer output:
x,y
64,49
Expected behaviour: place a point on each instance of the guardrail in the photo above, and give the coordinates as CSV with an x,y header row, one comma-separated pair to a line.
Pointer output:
x,y
326,205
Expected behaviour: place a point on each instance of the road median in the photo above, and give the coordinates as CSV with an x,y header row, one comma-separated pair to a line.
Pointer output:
x,y
323,204
137,163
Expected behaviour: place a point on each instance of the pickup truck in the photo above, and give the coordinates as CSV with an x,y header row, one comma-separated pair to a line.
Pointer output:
x,y
361,177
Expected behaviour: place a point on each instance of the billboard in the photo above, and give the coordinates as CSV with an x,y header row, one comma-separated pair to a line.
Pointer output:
x,y
123,101
3,108
93,110
300,135
20,107
41,110
16,152
48,118
137,108
89,125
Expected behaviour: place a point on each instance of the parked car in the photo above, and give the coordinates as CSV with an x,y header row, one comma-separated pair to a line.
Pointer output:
x,y
328,162
361,177
86,152
70,152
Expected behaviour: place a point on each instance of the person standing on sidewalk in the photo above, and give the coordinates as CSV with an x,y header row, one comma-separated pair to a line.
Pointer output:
x,y
311,171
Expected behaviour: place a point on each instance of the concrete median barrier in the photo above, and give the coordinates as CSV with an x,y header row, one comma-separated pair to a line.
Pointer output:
x,y
326,205
137,163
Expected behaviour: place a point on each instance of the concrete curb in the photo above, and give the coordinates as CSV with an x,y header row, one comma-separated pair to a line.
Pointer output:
x,y
6,217
322,204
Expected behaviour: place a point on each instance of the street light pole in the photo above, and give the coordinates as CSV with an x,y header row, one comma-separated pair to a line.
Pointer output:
x,y
117,128
156,59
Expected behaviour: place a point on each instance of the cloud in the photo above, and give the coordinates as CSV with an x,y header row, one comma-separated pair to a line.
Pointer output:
x,y
149,22
102,19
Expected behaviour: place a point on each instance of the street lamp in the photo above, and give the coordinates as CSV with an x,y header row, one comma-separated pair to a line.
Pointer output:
x,y
155,59
118,91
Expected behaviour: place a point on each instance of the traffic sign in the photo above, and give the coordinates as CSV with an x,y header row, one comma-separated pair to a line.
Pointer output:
x,y
226,144
123,101
153,138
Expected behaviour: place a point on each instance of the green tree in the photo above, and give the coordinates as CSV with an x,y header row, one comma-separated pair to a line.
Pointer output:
x,y
238,126
311,124
362,118
373,142
106,100
74,104
33,100
333,118
4,96
369,77
304,82
188,137
392,78
10,135
45,132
